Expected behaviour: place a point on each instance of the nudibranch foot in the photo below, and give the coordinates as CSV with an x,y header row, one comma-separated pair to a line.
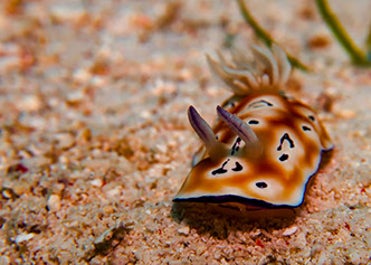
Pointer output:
x,y
242,212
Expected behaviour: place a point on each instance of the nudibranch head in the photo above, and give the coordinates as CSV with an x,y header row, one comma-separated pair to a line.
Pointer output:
x,y
264,147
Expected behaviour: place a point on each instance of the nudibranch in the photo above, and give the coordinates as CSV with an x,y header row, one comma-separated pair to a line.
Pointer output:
x,y
264,147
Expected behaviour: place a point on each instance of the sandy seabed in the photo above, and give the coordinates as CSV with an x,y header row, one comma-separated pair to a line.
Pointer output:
x,y
95,141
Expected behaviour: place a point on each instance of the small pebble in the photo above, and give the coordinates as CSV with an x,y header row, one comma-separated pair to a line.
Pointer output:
x,y
30,103
184,230
23,237
346,114
54,202
114,192
7,193
65,140
290,231
97,183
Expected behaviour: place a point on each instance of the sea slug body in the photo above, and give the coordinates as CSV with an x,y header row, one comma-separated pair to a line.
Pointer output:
x,y
264,146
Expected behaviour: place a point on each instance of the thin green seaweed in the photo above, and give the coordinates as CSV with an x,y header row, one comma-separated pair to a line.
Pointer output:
x,y
265,36
368,45
357,55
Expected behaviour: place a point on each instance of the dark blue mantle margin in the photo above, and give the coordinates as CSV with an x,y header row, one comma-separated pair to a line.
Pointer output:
x,y
236,199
